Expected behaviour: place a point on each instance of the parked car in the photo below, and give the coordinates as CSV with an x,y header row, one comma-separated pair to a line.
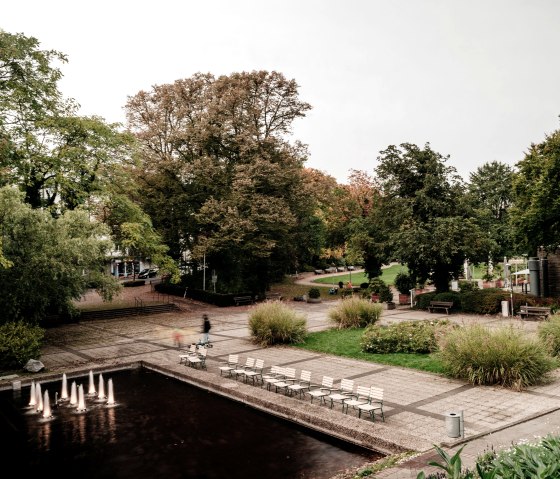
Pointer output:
x,y
340,269
330,270
350,268
148,273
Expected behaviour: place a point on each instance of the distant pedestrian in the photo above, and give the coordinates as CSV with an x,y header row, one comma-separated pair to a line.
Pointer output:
x,y
178,338
340,285
206,326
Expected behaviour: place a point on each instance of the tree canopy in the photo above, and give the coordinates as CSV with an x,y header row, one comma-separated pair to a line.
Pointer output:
x,y
216,153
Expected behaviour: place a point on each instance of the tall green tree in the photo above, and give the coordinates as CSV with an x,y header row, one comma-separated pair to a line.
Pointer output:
x,y
222,181
535,215
490,192
423,219
53,260
59,159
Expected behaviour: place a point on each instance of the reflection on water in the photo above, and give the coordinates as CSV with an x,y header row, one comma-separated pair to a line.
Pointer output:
x,y
161,427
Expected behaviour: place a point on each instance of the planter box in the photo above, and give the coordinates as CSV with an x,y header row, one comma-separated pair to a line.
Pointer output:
x,y
404,298
375,298
313,300
391,305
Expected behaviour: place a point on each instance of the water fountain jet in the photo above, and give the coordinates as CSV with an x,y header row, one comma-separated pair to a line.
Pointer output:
x,y
81,399
73,394
101,389
91,390
111,397
64,391
39,397
32,397
47,414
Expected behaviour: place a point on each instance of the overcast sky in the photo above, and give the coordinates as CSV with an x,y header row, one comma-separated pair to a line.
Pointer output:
x,y
477,79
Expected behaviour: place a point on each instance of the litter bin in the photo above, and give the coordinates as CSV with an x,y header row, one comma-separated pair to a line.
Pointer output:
x,y
453,423
505,309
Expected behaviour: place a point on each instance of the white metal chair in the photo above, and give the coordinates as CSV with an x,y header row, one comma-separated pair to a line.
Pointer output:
x,y
241,370
323,390
375,404
361,397
343,392
230,365
199,359
276,374
183,358
302,385
255,374
288,379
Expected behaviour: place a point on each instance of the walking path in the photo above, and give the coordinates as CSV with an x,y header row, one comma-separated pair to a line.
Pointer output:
x,y
416,403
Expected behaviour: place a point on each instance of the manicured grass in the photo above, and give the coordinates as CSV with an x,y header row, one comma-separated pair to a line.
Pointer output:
x,y
388,276
346,342
289,289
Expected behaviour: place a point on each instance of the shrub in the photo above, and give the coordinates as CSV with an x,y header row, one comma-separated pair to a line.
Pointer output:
x,y
465,286
314,293
353,312
549,334
423,300
486,357
275,323
378,286
407,337
19,342
404,283
539,459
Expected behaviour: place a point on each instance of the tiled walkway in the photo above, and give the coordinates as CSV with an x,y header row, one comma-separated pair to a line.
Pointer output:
x,y
416,403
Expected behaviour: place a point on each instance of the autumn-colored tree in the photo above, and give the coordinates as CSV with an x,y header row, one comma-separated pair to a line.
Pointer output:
x,y
221,181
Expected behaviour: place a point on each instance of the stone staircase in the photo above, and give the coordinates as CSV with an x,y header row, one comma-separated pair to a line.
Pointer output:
x,y
129,311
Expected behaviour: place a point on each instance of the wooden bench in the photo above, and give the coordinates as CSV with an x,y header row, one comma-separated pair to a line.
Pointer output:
x,y
447,305
273,296
242,300
525,311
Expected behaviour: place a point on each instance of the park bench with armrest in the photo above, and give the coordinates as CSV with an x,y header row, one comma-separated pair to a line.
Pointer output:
x,y
270,296
446,305
242,300
525,311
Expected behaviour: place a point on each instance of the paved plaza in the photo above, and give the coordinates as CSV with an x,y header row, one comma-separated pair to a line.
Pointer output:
x,y
416,403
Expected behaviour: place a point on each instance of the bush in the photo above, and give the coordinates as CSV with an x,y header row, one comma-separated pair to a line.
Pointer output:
x,y
353,312
465,286
407,337
486,357
275,323
524,460
378,286
422,301
549,334
19,342
404,283
314,293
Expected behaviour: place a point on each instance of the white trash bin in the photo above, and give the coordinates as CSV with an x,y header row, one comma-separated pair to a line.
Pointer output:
x,y
453,423
505,309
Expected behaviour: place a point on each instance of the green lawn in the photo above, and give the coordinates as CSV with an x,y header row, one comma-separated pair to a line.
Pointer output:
x,y
388,275
346,342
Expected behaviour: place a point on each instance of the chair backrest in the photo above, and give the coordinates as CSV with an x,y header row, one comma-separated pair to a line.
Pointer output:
x,y
305,376
250,363
347,385
376,394
290,373
202,352
327,382
363,392
275,370
192,348
259,364
233,359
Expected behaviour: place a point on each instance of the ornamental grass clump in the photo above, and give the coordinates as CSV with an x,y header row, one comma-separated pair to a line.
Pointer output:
x,y
354,312
549,334
275,323
407,337
502,356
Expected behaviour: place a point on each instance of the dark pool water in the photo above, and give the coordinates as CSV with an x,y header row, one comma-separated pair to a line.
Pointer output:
x,y
164,428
